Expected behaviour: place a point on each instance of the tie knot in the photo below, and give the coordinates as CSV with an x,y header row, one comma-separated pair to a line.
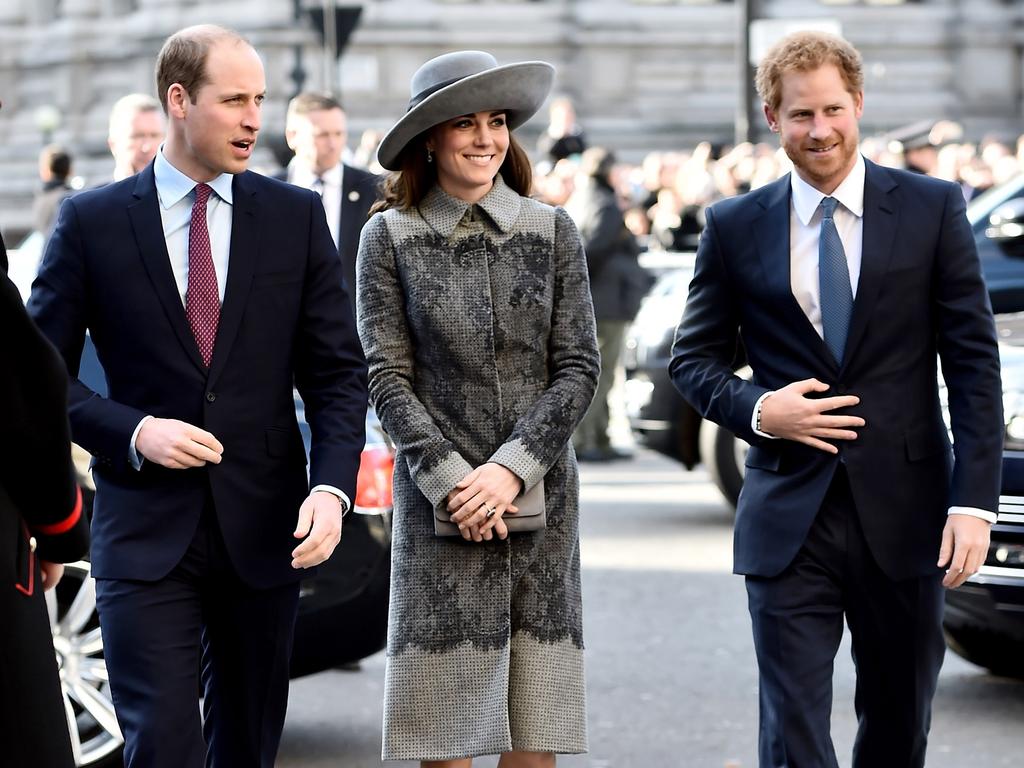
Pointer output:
x,y
828,206
203,193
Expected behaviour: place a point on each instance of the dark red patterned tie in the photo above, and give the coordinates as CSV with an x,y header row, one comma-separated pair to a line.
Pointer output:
x,y
202,301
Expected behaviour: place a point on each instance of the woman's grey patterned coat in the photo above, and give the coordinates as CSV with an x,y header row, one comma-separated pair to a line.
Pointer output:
x,y
479,331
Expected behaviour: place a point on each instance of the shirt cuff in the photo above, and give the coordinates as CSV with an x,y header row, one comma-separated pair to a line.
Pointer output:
x,y
346,505
133,455
984,514
755,417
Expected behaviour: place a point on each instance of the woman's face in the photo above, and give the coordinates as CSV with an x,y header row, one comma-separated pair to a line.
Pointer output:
x,y
468,151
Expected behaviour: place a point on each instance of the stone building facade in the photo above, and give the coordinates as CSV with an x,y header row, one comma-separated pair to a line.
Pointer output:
x,y
644,74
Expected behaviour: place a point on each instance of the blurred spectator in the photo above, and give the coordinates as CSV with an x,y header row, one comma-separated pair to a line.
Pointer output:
x,y
563,137
617,284
135,133
316,129
55,174
554,185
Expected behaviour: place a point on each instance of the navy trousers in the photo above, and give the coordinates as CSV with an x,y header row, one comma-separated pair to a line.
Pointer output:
x,y
157,636
896,627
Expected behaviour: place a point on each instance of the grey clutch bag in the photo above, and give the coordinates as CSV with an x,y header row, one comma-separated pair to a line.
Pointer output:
x,y
532,514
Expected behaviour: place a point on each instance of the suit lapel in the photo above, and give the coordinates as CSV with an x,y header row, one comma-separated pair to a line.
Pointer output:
x,y
241,262
347,242
771,236
881,215
149,236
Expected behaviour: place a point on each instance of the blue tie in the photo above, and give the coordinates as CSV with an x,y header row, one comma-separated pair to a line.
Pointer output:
x,y
834,281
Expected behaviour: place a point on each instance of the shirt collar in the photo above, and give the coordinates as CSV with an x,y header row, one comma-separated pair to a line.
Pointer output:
x,y
172,185
304,177
850,193
443,212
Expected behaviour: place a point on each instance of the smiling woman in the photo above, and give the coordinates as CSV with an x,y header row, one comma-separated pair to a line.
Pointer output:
x,y
476,319
469,150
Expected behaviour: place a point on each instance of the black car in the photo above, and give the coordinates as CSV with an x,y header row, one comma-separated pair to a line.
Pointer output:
x,y
342,614
997,221
658,415
984,620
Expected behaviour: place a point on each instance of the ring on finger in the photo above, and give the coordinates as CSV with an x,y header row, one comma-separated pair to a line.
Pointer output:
x,y
491,511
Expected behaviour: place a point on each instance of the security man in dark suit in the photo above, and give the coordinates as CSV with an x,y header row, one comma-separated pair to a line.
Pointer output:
x,y
41,526
208,291
316,129
846,282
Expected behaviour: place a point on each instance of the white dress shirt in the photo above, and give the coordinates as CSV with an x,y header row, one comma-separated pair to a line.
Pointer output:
x,y
804,230
329,191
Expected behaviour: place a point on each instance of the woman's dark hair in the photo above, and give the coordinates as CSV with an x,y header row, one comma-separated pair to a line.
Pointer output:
x,y
405,189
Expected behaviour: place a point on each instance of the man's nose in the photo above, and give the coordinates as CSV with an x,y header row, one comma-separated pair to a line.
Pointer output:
x,y
820,127
251,118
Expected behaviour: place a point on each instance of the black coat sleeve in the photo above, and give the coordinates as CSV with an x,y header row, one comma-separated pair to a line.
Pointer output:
x,y
36,472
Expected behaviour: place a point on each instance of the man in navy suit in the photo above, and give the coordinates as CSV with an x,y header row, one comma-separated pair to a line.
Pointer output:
x,y
843,282
316,130
207,290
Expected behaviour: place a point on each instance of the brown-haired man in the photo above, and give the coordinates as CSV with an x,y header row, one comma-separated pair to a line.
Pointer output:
x,y
846,282
207,290
316,129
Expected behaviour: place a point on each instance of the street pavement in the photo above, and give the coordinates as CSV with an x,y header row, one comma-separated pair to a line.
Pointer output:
x,y
672,681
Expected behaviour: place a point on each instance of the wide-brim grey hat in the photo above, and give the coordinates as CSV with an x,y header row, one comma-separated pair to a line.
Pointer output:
x,y
463,83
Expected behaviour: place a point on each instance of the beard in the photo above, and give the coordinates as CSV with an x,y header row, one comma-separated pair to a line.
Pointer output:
x,y
825,171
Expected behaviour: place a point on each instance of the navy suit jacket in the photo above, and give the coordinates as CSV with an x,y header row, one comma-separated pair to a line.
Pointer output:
x,y
286,318
920,298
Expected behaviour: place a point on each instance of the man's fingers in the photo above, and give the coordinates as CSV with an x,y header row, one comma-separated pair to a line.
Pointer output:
x,y
305,519
808,385
834,434
946,546
821,445
204,438
832,403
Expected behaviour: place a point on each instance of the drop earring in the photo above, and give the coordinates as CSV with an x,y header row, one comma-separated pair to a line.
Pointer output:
x,y
430,156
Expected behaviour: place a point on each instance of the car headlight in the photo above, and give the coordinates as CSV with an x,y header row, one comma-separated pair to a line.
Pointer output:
x,y
1006,555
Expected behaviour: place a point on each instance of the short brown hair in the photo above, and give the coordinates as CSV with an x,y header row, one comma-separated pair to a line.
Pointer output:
x,y
311,101
182,59
405,189
803,52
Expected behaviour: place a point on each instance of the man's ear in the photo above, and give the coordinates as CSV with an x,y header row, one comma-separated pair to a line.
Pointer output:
x,y
177,101
772,118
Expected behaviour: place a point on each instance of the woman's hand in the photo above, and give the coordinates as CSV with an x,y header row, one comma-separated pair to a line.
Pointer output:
x,y
481,498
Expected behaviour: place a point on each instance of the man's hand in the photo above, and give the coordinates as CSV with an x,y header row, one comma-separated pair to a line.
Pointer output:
x,y
177,444
52,573
788,414
320,524
964,548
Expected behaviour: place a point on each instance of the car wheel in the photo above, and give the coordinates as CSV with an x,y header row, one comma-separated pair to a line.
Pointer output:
x,y
997,653
95,735
723,454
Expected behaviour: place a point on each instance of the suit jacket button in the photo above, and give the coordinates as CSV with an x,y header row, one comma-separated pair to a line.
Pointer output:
x,y
211,397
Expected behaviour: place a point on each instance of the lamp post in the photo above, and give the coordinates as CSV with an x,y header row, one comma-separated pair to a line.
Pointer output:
x,y
47,119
